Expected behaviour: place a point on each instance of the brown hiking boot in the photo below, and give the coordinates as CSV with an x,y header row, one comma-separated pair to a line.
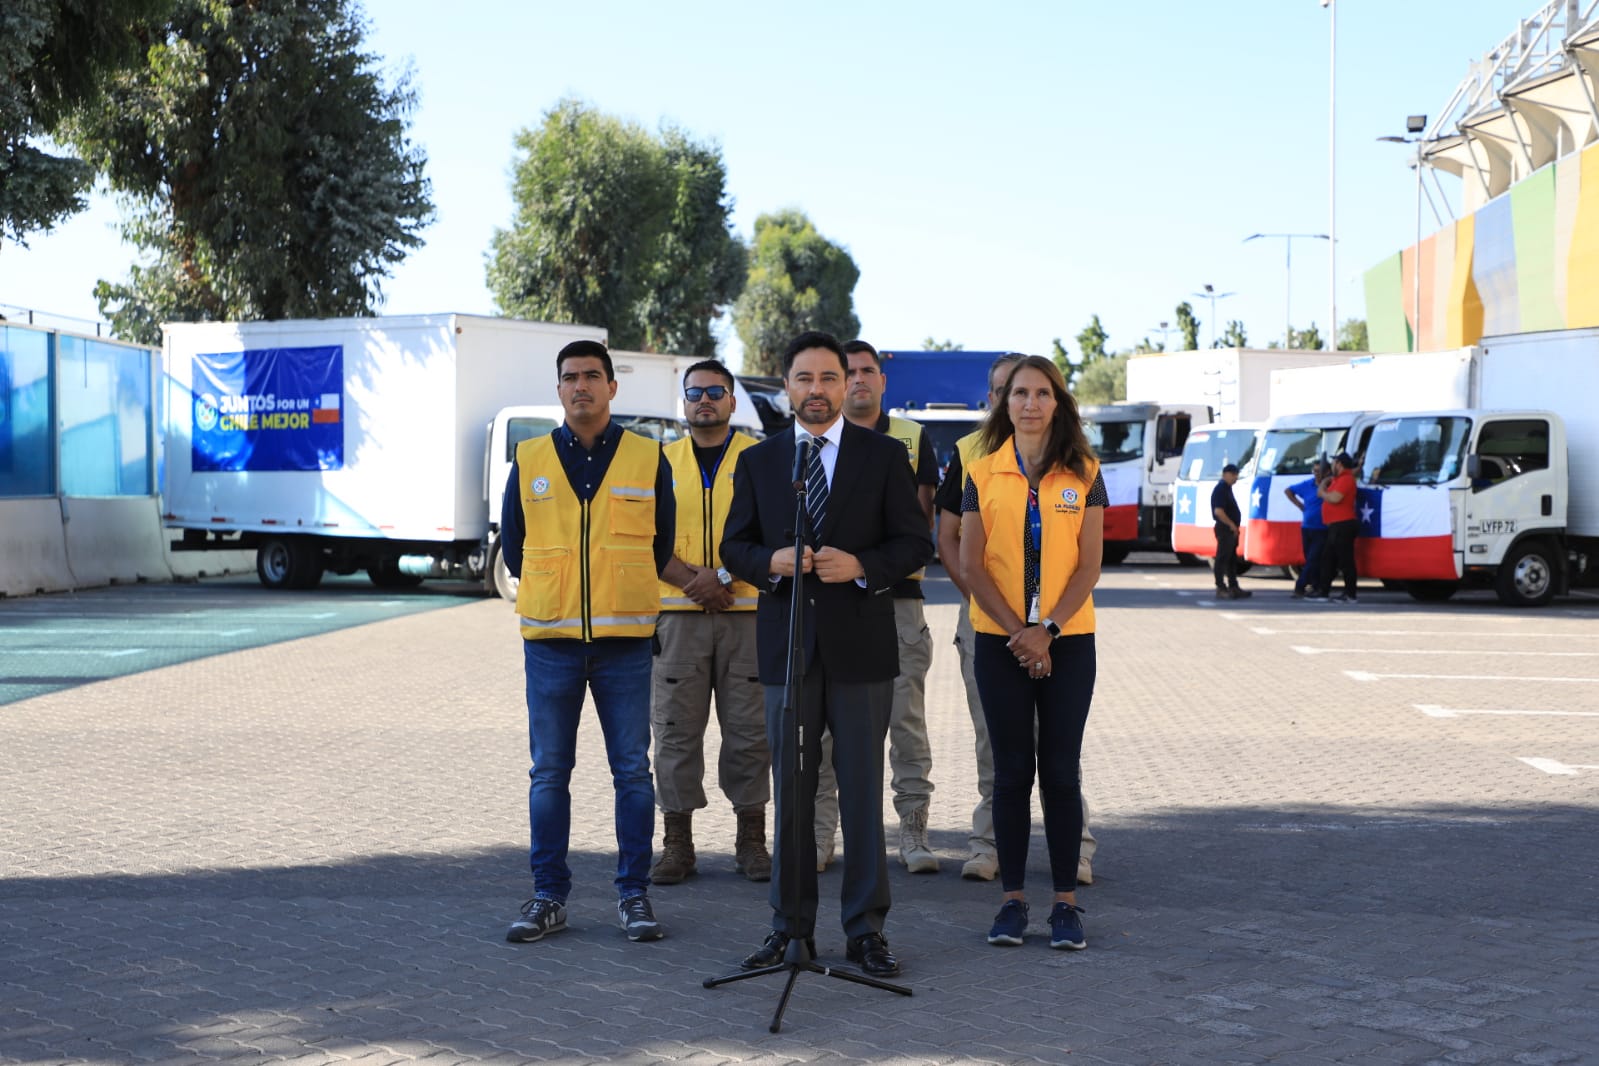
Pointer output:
x,y
677,859
749,852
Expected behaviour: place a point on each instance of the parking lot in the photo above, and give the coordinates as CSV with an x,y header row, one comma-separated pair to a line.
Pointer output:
x,y
1329,833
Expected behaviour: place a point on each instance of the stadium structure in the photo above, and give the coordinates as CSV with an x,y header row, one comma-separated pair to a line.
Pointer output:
x,y
1521,134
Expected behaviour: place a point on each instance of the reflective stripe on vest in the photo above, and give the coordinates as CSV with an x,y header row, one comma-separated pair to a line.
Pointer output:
x,y
701,517
1002,503
588,568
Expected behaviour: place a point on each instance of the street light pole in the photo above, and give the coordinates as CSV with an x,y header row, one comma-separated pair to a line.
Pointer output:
x,y
1414,124
1332,173
1288,276
1212,295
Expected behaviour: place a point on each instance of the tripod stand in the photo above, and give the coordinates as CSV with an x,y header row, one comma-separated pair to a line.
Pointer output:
x,y
798,957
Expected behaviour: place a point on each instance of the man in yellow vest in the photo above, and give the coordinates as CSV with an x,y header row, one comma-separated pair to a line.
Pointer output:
x,y
910,754
984,862
588,524
706,641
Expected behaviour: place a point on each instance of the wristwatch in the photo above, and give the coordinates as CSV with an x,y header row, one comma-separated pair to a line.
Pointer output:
x,y
724,577
1051,627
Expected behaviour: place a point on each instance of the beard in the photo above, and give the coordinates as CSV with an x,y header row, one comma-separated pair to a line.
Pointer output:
x,y
813,417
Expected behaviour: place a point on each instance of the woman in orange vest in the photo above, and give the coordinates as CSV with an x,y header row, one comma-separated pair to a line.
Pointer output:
x,y
1032,531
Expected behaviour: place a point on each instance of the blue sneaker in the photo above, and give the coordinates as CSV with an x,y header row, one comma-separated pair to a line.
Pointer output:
x,y
1065,928
1010,924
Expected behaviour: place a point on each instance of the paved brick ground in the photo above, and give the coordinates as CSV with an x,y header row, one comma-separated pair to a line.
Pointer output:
x,y
309,852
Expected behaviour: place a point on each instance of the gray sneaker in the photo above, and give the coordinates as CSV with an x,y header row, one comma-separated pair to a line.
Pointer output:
x,y
638,918
540,917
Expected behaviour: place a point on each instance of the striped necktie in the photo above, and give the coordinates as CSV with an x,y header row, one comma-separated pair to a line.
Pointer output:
x,y
816,488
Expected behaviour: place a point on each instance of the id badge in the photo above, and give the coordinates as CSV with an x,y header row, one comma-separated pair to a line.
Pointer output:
x,y
1032,613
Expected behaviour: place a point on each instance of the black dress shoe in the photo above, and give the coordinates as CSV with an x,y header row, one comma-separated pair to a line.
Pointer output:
x,y
870,952
773,951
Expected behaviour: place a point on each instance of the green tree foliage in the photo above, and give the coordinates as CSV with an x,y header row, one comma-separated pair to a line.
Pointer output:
x,y
1063,359
931,345
798,280
1188,325
55,57
1352,336
1234,336
620,228
1103,381
1307,339
1091,341
1146,347
266,163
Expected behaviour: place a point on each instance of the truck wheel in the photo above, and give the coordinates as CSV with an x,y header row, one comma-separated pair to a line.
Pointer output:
x,y
1114,554
288,563
1431,591
505,582
1527,577
387,575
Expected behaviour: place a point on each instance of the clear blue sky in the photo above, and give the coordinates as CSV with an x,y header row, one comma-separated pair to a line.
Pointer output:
x,y
1000,172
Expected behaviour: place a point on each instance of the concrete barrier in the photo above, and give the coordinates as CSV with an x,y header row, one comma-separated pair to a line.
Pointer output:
x,y
112,540
33,550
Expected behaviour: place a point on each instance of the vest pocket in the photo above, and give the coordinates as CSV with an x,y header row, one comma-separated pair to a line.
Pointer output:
x,y
632,516
635,590
543,582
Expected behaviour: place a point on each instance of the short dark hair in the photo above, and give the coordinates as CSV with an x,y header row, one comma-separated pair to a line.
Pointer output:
x,y
813,338
1230,468
590,349
713,366
857,346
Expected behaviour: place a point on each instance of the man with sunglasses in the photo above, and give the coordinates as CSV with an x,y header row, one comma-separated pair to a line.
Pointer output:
x,y
706,641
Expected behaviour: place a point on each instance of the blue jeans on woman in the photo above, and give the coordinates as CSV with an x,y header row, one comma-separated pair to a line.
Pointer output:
x,y
1012,703
558,674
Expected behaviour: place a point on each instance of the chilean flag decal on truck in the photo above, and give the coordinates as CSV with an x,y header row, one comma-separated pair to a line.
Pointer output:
x,y
1122,482
1405,533
1271,535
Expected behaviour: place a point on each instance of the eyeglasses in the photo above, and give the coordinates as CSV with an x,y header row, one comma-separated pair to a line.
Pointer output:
x,y
693,393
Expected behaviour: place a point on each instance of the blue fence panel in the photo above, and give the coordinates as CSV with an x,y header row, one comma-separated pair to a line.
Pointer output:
x,y
27,452
106,410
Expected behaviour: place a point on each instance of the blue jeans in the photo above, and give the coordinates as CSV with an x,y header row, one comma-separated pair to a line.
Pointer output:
x,y
618,673
1312,541
1014,705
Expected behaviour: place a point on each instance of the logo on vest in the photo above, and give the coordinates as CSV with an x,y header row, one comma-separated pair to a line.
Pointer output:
x,y
1068,504
541,485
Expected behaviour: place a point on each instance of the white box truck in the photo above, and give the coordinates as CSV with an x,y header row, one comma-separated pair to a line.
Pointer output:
x,y
1235,383
1500,489
1139,446
349,444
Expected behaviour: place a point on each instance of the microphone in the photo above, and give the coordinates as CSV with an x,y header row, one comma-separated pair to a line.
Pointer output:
x,y
800,457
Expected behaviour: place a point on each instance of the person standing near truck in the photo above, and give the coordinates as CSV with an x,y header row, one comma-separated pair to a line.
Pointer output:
x,y
706,637
588,524
1338,511
909,752
1229,520
1312,530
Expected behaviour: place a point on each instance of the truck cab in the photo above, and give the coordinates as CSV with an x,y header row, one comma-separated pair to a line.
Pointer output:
x,y
1209,448
1139,446
1451,498
1289,448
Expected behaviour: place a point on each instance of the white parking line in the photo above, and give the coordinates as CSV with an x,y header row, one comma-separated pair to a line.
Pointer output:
x,y
25,631
1363,675
1307,650
1432,710
73,651
1554,766
1268,631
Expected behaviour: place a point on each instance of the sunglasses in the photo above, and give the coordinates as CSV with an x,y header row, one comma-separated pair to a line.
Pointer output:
x,y
715,392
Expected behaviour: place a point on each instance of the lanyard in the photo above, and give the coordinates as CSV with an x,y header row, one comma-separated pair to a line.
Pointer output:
x,y
707,478
1035,520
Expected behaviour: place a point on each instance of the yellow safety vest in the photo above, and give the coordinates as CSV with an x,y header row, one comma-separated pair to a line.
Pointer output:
x,y
909,434
1002,503
588,568
701,517
966,448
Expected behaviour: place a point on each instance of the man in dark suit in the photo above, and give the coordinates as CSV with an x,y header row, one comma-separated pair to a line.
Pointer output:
x,y
867,532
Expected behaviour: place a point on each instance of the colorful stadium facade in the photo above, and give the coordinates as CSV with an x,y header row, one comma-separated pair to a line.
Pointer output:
x,y
1520,134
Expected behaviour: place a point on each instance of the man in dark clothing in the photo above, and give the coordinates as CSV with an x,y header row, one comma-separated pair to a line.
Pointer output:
x,y
1229,520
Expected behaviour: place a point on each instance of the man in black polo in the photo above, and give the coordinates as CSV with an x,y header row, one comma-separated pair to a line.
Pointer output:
x,y
1229,520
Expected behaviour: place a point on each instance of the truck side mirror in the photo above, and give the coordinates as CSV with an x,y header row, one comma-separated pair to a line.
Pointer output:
x,y
1473,467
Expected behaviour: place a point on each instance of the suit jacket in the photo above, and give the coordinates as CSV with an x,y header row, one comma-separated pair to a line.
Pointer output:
x,y
872,513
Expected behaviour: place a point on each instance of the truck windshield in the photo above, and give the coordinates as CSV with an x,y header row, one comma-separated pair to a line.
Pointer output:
x,y
1208,450
943,433
1116,442
1416,451
1291,451
518,430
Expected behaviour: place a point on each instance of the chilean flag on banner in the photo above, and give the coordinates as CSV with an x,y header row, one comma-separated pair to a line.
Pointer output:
x,y
1405,533
1271,536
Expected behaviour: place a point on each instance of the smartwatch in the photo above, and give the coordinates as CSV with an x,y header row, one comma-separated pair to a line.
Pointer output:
x,y
724,577
1051,627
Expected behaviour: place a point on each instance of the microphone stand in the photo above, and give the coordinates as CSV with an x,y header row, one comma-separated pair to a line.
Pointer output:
x,y
797,958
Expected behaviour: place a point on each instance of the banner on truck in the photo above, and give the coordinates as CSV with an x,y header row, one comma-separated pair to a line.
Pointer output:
x,y
269,409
